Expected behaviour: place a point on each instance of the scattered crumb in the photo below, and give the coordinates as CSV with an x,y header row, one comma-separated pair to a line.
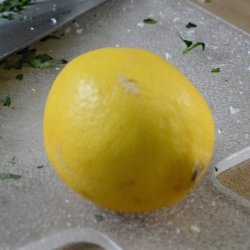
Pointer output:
x,y
79,31
76,24
53,21
195,229
140,24
234,110
176,19
168,56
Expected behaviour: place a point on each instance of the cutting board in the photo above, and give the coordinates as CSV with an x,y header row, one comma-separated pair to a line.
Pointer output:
x,y
39,206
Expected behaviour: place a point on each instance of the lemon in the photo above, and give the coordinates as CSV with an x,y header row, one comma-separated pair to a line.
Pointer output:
x,y
127,130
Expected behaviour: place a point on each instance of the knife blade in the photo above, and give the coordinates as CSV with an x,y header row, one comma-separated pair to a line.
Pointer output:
x,y
42,18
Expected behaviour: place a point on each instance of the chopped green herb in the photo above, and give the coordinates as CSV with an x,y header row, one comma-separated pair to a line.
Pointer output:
x,y
191,25
30,57
39,64
19,77
40,61
49,37
63,61
13,160
194,46
5,176
14,5
149,21
215,70
8,16
190,45
216,169
99,217
187,42
41,166
15,65
6,101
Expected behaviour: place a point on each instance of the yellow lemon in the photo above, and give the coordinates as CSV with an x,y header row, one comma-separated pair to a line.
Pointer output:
x,y
125,129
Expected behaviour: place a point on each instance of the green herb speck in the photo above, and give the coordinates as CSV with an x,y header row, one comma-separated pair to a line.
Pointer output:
x,y
149,21
14,5
30,57
8,16
99,217
191,25
6,101
5,176
63,61
19,77
215,70
13,160
190,45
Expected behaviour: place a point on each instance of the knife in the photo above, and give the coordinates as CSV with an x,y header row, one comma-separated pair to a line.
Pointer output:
x,y
42,18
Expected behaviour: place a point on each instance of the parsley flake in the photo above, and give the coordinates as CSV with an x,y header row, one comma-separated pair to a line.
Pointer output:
x,y
6,101
13,160
63,61
14,5
40,61
149,21
8,16
191,25
190,45
30,57
19,77
5,176
215,70
99,217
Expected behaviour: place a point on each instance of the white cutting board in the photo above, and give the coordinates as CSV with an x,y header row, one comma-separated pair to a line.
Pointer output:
x,y
39,205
